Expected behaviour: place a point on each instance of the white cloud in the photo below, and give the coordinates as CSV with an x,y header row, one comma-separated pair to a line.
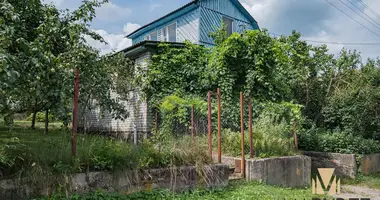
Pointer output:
x,y
318,20
112,12
130,27
115,42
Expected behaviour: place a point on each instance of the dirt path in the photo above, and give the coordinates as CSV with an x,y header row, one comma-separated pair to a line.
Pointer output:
x,y
359,192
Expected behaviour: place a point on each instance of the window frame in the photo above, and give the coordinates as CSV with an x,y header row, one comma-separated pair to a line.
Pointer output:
x,y
165,32
148,37
232,24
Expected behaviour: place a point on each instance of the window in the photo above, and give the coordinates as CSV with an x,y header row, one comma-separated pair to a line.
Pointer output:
x,y
228,24
169,33
151,37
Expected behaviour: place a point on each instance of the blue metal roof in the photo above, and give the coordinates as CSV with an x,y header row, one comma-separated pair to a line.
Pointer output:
x,y
184,9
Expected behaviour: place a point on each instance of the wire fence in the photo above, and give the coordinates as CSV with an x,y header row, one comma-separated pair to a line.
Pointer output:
x,y
215,119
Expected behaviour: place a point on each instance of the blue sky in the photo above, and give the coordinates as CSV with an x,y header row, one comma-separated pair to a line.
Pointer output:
x,y
315,19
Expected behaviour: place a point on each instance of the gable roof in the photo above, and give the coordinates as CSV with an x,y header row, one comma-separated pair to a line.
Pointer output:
x,y
192,3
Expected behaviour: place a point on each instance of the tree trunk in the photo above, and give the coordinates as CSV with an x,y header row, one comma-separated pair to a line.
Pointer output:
x,y
34,119
46,121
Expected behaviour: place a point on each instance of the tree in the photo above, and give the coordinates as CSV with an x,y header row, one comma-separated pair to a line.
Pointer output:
x,y
39,59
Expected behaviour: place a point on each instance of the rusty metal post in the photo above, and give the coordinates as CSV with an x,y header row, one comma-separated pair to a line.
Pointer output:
x,y
219,130
251,147
75,114
242,135
209,124
295,136
156,122
192,122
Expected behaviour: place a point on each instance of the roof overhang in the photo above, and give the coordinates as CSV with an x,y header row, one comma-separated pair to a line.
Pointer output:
x,y
136,50
184,9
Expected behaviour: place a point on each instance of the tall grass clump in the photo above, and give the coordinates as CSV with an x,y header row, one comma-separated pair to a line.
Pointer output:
x,y
270,139
35,155
272,133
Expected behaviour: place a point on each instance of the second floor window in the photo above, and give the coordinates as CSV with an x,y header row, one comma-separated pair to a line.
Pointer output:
x,y
169,33
151,37
228,23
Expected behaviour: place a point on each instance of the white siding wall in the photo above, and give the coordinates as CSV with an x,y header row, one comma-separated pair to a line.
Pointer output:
x,y
94,120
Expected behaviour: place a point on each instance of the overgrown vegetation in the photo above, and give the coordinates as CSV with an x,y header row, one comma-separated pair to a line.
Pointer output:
x,y
235,190
337,141
28,153
336,95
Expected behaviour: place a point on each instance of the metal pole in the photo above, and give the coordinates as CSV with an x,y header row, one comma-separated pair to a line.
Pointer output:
x,y
251,148
192,122
75,114
219,130
209,124
242,135
295,136
156,122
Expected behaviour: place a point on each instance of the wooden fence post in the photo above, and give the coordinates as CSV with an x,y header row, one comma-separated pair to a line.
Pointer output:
x,y
75,114
192,122
219,130
295,136
209,127
242,135
251,147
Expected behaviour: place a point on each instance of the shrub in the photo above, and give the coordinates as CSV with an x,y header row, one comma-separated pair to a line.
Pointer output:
x,y
40,117
35,155
270,139
336,142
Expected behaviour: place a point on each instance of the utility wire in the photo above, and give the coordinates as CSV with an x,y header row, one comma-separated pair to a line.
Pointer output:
x,y
352,18
339,43
369,8
360,10
359,14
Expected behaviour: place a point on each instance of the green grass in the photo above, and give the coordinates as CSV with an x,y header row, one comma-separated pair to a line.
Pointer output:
x,y
236,190
30,153
371,181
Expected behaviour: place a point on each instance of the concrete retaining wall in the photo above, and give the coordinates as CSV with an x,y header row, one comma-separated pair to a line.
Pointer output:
x,y
176,179
344,164
370,164
291,171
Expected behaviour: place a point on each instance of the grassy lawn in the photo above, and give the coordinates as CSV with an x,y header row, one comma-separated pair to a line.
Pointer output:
x,y
236,190
30,153
371,181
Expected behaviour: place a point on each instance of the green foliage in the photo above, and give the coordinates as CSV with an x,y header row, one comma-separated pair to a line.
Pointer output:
x,y
176,71
175,110
41,47
40,117
272,137
25,153
336,142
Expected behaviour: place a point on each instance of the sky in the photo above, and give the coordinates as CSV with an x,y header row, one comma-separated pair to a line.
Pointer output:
x,y
350,21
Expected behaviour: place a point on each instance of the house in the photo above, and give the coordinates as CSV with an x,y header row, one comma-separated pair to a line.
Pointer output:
x,y
192,22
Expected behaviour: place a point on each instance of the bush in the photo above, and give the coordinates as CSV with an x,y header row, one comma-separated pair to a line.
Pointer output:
x,y
40,117
270,139
37,155
336,142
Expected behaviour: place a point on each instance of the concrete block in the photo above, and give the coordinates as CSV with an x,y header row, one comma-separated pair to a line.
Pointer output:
x,y
126,182
344,164
292,171
370,164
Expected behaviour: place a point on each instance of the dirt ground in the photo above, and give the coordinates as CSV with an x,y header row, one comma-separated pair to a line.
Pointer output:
x,y
358,192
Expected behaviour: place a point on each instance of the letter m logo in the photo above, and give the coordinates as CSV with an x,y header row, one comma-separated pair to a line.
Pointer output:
x,y
325,182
